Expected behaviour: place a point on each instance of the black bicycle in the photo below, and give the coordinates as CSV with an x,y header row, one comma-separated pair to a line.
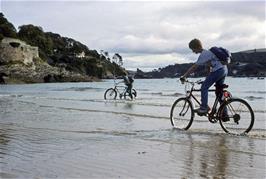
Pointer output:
x,y
234,114
120,90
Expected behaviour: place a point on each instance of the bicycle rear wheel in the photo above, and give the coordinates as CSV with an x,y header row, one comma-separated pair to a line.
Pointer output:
x,y
131,96
134,93
182,114
110,94
239,116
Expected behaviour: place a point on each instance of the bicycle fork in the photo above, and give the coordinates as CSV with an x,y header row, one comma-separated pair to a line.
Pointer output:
x,y
182,113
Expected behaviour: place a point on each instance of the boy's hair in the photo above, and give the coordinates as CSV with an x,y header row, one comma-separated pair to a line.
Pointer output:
x,y
195,44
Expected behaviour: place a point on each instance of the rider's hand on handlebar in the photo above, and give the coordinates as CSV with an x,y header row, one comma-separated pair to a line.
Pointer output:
x,y
182,79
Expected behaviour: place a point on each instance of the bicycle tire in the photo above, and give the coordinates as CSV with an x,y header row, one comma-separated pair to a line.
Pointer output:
x,y
178,107
110,94
134,92
133,95
236,124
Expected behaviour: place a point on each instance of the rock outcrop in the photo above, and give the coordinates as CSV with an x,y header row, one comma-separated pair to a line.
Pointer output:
x,y
16,51
21,63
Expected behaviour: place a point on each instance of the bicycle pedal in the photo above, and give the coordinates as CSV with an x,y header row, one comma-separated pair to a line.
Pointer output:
x,y
213,120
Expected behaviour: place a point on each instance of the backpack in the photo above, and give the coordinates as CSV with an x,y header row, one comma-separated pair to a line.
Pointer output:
x,y
131,80
222,54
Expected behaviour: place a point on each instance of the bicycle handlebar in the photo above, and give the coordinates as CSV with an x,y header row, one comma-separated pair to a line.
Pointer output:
x,y
192,82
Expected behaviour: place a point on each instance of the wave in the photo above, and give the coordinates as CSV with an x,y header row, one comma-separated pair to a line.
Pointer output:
x,y
258,92
12,95
143,90
117,101
255,133
114,112
79,89
252,98
164,94
140,101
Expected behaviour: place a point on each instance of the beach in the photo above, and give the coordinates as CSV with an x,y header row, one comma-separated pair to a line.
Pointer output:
x,y
68,130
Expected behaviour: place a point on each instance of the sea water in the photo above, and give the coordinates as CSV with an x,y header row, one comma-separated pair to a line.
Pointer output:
x,y
68,130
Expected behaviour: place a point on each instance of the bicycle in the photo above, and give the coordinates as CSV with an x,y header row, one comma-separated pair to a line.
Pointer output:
x,y
234,114
111,93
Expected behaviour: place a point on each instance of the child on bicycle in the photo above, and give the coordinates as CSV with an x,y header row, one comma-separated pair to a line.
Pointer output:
x,y
217,72
128,81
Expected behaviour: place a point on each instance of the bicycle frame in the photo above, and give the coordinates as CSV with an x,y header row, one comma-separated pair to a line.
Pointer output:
x,y
122,90
118,90
212,113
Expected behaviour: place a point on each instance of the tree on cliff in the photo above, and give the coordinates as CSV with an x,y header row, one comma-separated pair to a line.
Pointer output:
x,y
6,28
35,36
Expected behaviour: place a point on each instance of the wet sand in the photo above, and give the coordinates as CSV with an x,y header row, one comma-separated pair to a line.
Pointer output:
x,y
80,135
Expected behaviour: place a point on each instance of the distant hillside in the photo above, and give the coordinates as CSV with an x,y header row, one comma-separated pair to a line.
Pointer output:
x,y
250,63
57,58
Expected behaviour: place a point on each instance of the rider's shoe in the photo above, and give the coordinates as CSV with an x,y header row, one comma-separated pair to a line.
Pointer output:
x,y
201,111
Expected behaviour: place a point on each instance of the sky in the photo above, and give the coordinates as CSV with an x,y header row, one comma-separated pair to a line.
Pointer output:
x,y
147,34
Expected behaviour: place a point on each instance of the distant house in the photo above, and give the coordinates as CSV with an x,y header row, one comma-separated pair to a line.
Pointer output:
x,y
81,55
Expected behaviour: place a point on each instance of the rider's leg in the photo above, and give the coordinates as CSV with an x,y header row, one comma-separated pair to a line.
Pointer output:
x,y
209,81
219,94
129,90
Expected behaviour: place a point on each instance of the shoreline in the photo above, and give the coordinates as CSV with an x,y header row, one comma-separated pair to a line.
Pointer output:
x,y
95,79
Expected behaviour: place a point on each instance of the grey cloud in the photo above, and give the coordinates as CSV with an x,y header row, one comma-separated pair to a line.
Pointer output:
x,y
149,28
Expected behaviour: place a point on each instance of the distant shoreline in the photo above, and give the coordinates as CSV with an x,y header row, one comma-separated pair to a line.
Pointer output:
x,y
14,82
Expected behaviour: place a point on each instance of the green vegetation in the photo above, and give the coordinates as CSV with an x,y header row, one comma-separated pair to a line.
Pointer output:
x,y
35,36
1,37
6,28
66,52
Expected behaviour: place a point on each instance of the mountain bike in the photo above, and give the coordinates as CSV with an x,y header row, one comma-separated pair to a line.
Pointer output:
x,y
234,114
120,90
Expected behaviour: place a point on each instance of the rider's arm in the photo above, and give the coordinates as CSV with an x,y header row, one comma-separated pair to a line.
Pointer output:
x,y
120,82
190,70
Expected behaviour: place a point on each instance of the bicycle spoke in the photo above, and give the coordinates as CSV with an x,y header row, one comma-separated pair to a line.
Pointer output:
x,y
181,114
240,115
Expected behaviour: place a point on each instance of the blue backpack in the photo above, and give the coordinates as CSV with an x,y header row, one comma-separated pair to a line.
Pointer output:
x,y
222,54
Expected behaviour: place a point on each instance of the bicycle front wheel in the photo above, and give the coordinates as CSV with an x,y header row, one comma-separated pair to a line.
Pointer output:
x,y
182,114
110,94
236,116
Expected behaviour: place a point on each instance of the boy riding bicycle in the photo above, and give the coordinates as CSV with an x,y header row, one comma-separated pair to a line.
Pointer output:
x,y
217,73
128,81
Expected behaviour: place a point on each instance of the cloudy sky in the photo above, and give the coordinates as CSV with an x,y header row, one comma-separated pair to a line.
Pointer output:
x,y
148,34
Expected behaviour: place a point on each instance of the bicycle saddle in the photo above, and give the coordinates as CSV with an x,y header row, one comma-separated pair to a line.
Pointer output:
x,y
221,86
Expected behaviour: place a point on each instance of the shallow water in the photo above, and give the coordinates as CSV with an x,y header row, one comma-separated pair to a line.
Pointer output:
x,y
67,130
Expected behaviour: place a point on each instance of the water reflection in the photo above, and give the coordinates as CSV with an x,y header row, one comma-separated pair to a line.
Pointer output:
x,y
212,156
128,105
